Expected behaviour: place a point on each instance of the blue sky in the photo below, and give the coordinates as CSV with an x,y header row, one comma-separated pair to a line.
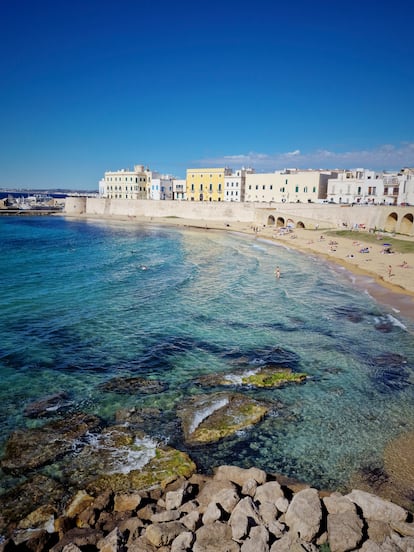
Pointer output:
x,y
89,86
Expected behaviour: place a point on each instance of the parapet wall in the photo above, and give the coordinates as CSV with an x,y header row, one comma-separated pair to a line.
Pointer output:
x,y
387,218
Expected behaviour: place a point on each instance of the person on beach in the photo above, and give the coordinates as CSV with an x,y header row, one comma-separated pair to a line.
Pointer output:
x,y
277,272
389,271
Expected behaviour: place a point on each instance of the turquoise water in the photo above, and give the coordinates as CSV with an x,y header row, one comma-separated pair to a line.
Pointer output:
x,y
77,309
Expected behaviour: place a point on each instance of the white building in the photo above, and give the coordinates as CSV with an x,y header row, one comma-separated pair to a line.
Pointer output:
x,y
126,184
365,187
235,185
288,186
179,189
161,186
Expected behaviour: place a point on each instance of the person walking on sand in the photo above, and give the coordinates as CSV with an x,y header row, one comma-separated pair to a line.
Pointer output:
x,y
389,271
277,272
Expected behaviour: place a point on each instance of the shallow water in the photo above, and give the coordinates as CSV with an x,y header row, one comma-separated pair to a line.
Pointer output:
x,y
83,302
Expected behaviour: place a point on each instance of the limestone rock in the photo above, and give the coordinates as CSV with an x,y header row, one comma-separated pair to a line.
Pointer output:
x,y
209,418
215,537
160,534
124,502
304,514
183,542
258,540
239,475
338,504
344,531
133,386
269,492
375,508
244,515
32,448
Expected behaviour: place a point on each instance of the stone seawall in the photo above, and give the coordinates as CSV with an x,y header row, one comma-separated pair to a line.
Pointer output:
x,y
385,218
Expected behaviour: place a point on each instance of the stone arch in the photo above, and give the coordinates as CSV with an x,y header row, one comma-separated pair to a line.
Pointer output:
x,y
270,220
406,226
300,224
391,222
280,222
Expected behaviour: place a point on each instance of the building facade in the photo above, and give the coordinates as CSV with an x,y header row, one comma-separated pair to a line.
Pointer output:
x,y
288,186
235,185
126,184
206,184
361,186
161,186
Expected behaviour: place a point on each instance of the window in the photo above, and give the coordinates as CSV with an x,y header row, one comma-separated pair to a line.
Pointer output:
x,y
305,189
211,187
314,189
296,189
282,189
192,187
219,187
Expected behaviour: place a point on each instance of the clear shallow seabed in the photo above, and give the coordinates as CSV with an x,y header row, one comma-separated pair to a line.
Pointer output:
x,y
77,309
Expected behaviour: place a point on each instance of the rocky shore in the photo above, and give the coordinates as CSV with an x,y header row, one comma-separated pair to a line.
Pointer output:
x,y
233,510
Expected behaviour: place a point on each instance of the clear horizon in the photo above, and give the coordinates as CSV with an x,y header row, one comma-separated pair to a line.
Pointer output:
x,y
96,86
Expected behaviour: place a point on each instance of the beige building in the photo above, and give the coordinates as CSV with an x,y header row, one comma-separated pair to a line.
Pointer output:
x,y
288,186
126,184
206,184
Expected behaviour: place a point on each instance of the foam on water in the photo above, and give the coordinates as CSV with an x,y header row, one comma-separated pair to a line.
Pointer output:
x,y
204,413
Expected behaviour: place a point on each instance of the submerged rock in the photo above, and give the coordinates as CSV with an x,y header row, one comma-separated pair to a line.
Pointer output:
x,y
267,376
29,496
209,418
166,463
27,449
48,406
133,385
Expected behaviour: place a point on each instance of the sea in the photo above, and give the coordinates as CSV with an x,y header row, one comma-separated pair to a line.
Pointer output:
x,y
85,301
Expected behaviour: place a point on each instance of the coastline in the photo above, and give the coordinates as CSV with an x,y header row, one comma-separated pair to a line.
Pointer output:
x,y
367,271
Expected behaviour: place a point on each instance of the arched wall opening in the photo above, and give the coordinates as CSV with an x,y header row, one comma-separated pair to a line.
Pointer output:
x,y
270,220
300,224
406,226
280,222
391,222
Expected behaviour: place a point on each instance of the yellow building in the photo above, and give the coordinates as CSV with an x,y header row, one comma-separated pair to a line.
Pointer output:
x,y
206,184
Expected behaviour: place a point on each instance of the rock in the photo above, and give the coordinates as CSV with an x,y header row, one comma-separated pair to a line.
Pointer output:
x,y
206,419
258,540
212,489
78,503
191,520
183,542
160,534
31,540
47,406
344,531
23,499
168,515
266,376
239,475
32,448
227,499
304,514
112,542
269,492
402,528
124,502
291,543
79,537
133,386
213,513
43,517
215,537
338,504
243,517
174,499
375,508
249,487
378,531
163,465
